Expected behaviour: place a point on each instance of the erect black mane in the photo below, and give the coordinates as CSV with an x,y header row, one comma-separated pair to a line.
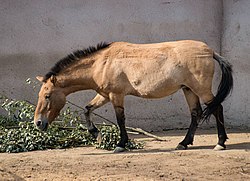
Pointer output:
x,y
72,58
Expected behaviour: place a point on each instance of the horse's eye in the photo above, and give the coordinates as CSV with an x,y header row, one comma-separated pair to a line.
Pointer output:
x,y
47,97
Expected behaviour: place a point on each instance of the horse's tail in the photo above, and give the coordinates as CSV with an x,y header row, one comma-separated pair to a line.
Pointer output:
x,y
225,86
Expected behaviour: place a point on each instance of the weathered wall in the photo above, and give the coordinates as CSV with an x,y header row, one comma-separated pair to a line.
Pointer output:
x,y
236,47
35,34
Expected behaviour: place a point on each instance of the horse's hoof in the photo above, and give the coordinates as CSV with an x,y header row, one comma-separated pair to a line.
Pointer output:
x,y
99,138
219,147
181,147
119,149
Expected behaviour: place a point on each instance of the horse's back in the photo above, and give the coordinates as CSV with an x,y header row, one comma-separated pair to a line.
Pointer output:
x,y
194,46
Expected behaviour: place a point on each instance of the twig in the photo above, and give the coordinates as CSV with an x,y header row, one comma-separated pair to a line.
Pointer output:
x,y
103,118
139,130
132,132
244,174
70,128
13,127
186,170
92,113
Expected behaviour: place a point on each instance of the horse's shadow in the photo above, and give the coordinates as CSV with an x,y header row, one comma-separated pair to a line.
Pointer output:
x,y
237,146
241,146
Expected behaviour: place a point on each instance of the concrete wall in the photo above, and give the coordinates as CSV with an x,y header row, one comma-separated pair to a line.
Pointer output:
x,y
35,34
236,46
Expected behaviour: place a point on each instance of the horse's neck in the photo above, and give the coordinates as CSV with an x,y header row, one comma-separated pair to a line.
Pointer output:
x,y
76,80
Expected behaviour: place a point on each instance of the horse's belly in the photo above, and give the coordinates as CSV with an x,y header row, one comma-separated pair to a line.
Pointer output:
x,y
157,94
153,89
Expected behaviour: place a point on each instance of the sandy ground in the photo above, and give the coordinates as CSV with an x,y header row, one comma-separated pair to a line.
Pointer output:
x,y
158,161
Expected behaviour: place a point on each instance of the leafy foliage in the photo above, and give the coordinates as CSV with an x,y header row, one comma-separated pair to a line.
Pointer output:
x,y
110,138
17,110
28,138
69,116
18,133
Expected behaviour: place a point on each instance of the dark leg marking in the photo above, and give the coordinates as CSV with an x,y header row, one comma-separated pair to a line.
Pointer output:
x,y
220,126
92,129
189,138
121,123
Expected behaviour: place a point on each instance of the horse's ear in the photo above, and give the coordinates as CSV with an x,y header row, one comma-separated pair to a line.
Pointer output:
x,y
53,79
40,78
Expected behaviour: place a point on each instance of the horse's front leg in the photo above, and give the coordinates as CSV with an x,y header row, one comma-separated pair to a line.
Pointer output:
x,y
123,133
95,103
118,101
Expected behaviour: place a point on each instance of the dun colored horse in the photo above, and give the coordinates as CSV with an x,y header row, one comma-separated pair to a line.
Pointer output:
x,y
145,70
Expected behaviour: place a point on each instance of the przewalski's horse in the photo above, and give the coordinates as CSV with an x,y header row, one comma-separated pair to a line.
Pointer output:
x,y
144,70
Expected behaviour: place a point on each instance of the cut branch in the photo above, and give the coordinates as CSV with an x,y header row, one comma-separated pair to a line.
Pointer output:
x,y
139,130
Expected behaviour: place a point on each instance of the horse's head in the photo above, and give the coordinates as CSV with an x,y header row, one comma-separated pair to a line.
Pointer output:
x,y
51,100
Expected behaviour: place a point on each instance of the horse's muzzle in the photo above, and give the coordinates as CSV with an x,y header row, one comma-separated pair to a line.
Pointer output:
x,y
41,124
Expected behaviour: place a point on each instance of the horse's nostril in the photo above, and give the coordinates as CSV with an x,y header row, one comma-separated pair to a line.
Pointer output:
x,y
38,123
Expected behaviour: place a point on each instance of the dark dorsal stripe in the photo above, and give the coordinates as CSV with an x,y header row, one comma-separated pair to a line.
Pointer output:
x,y
72,58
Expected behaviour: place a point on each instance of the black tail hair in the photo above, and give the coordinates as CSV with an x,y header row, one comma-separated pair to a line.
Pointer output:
x,y
224,89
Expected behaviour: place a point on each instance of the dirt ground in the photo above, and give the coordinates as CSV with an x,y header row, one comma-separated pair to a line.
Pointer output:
x,y
157,161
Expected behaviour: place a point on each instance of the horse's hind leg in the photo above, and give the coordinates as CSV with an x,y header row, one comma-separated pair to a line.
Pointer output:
x,y
95,103
196,111
221,129
218,113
